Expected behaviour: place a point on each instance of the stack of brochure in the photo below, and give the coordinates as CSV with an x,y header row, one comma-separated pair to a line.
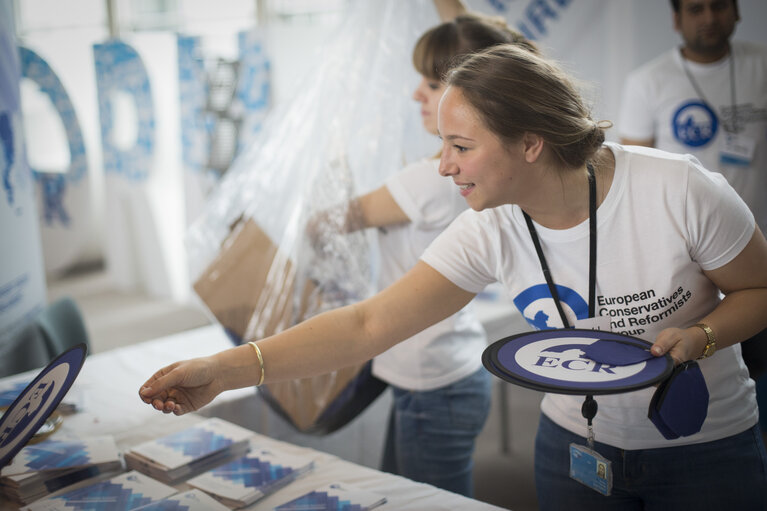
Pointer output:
x,y
334,497
245,480
125,492
192,500
42,468
178,456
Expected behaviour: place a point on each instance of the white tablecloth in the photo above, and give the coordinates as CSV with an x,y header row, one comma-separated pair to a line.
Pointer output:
x,y
106,393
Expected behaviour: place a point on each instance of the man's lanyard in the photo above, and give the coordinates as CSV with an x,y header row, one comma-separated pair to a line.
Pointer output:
x,y
699,92
592,251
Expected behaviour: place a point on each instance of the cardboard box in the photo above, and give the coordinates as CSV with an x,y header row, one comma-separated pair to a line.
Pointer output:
x,y
249,288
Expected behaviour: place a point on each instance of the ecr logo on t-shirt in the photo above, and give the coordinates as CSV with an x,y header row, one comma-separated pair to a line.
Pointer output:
x,y
694,124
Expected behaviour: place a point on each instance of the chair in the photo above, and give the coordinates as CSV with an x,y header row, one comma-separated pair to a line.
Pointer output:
x,y
62,326
23,350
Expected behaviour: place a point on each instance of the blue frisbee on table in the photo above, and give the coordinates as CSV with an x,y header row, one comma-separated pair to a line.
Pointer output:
x,y
37,401
576,361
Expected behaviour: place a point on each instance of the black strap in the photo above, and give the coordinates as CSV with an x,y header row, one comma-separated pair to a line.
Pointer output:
x,y
592,240
592,252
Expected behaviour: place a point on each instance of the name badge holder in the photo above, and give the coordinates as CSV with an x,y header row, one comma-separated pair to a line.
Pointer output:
x,y
736,149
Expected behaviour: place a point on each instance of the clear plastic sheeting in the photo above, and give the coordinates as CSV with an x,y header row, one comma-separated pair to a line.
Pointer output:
x,y
352,123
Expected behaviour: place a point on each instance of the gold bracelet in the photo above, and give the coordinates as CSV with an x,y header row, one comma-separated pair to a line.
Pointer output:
x,y
710,346
260,362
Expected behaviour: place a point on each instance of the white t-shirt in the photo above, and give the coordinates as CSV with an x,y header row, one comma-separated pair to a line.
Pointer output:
x,y
660,102
451,349
664,220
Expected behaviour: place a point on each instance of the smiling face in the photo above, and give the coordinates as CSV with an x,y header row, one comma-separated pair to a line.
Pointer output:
x,y
706,27
488,172
428,93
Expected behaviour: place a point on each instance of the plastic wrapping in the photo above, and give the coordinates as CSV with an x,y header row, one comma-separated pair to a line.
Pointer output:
x,y
351,124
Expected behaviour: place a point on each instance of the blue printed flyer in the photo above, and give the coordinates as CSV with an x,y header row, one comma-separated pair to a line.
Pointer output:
x,y
190,451
122,493
192,500
57,454
40,469
334,497
251,477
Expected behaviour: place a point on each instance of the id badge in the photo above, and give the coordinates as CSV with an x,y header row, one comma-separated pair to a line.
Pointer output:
x,y
596,323
736,149
590,468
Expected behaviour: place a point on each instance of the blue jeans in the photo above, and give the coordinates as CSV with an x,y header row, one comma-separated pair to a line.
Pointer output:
x,y
761,400
727,474
431,434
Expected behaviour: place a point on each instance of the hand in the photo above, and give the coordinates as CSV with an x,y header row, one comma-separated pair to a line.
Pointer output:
x,y
682,344
182,387
316,231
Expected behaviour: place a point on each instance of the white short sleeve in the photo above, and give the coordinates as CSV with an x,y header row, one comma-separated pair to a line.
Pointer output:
x,y
719,223
635,118
467,253
430,200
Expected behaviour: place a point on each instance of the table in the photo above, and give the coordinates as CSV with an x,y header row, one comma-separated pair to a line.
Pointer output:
x,y
106,393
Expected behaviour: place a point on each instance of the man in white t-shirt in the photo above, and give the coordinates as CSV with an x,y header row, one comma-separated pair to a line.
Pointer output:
x,y
707,97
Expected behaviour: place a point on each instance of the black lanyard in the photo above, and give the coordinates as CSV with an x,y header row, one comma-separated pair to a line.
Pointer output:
x,y
592,251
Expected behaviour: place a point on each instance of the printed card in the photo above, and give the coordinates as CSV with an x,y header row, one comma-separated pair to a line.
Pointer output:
x,y
192,444
56,454
122,493
192,500
335,497
249,478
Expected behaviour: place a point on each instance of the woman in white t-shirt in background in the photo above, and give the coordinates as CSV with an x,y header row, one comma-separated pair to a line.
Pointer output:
x,y
441,393
519,140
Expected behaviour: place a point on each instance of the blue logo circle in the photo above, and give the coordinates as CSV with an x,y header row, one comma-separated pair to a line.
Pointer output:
x,y
539,310
694,124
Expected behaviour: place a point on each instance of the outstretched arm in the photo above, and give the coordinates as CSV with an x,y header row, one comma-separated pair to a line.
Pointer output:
x,y
374,209
739,316
329,341
379,209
